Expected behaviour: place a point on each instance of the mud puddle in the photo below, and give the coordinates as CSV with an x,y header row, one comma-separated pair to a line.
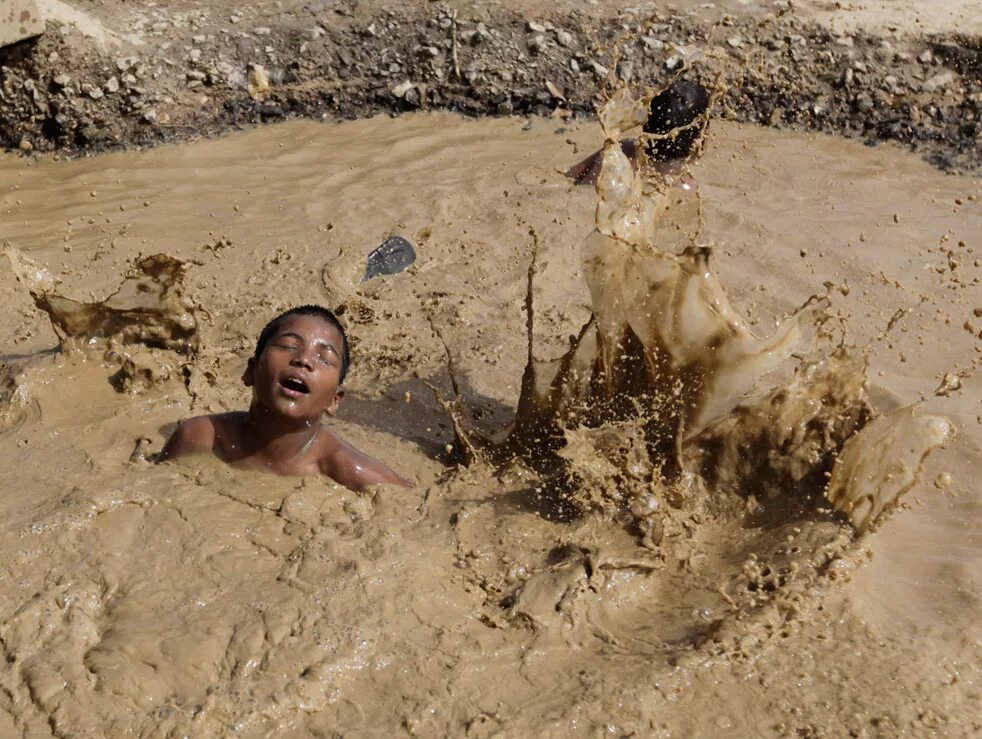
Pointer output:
x,y
192,598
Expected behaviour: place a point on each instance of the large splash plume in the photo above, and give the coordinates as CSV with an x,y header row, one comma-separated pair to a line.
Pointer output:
x,y
666,393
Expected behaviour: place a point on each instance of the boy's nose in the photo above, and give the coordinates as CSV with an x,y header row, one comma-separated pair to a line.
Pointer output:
x,y
303,358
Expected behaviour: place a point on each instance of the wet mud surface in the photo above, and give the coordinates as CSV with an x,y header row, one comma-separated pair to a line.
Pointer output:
x,y
191,598
111,75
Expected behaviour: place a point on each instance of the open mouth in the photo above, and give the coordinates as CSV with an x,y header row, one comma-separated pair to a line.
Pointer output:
x,y
294,385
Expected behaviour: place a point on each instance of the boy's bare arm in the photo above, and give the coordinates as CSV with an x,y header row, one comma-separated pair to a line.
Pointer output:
x,y
358,471
194,436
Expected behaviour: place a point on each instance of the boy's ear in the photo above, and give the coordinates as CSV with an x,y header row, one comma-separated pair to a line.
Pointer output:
x,y
332,407
249,376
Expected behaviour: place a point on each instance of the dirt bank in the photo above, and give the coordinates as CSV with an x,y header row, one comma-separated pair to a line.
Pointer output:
x,y
111,75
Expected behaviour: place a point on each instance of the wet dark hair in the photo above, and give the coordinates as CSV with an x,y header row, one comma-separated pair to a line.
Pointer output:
x,y
307,310
677,105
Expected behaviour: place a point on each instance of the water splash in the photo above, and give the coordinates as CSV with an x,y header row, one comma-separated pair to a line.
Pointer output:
x,y
667,387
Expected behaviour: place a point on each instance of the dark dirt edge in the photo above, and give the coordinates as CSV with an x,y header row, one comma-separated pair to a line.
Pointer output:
x,y
924,93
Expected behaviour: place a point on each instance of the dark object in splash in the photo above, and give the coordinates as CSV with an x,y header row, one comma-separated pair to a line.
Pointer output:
x,y
392,257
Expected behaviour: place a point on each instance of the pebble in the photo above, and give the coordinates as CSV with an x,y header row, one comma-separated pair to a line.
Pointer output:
x,y
258,80
935,83
536,27
402,88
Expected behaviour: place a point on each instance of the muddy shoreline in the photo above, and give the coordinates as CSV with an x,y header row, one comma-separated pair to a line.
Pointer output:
x,y
207,71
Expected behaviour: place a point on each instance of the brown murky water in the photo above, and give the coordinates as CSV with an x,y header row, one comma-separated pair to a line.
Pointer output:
x,y
193,599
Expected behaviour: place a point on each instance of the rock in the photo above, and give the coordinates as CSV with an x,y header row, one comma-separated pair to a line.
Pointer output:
x,y
402,88
111,86
735,42
125,63
315,33
262,31
926,57
535,27
258,81
673,61
939,81
62,80
652,44
25,145
92,91
565,38
863,102
150,116
199,39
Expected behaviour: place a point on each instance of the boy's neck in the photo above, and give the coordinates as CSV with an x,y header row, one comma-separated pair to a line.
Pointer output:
x,y
277,438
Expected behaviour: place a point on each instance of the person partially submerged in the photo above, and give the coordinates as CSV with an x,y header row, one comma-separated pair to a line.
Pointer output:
x,y
675,122
296,376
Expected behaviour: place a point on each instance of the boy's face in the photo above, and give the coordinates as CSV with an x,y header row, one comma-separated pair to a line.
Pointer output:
x,y
298,373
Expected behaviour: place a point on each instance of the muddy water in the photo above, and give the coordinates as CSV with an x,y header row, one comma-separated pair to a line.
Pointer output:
x,y
195,599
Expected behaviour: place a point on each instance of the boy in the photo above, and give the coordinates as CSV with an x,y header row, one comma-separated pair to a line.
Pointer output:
x,y
300,361
677,108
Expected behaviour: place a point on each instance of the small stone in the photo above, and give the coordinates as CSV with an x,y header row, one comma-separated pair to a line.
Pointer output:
x,y
258,81
735,42
150,116
111,86
925,57
94,92
199,39
535,27
125,63
25,145
402,88
864,103
673,61
565,38
62,80
262,31
315,33
943,481
938,81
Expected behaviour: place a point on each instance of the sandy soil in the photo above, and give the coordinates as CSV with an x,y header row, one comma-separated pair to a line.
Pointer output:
x,y
609,573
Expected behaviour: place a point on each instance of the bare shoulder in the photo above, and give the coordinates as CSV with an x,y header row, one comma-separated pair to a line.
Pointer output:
x,y
353,468
197,435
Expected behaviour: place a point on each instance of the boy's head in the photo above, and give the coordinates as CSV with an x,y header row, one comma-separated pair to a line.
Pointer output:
x,y
316,311
300,361
678,105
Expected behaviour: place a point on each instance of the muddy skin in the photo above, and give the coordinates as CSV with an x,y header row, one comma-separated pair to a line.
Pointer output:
x,y
731,596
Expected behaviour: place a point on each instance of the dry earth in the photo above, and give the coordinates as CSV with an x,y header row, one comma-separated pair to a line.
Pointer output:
x,y
115,74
